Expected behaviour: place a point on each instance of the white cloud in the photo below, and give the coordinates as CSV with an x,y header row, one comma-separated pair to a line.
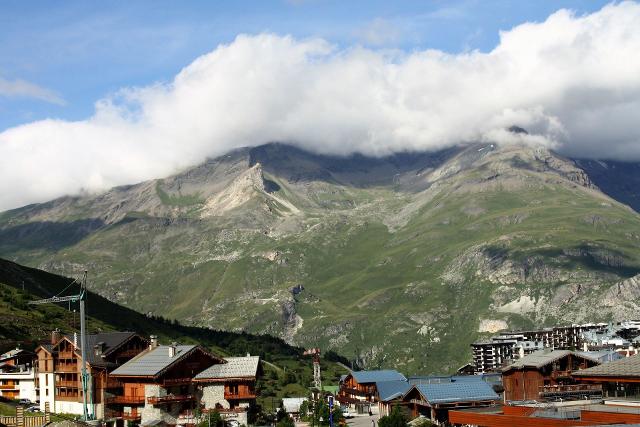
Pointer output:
x,y
22,88
572,80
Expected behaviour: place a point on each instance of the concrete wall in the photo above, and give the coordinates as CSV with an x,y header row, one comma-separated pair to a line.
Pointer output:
x,y
47,392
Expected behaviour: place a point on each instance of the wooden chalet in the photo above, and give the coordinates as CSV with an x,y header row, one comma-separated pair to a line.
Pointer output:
x,y
547,375
617,379
390,394
156,387
359,388
230,388
59,369
435,400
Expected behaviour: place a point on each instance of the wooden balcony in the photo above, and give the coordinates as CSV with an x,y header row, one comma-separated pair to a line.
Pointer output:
x,y
126,400
239,395
66,368
113,383
570,389
156,400
355,391
133,416
73,384
176,381
8,386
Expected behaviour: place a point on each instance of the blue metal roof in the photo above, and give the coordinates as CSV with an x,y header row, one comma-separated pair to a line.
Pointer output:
x,y
364,377
389,390
461,391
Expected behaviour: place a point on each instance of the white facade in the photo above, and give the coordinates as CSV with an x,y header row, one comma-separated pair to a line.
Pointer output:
x,y
25,383
47,390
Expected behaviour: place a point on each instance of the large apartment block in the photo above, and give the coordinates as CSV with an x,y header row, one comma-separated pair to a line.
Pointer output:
x,y
492,354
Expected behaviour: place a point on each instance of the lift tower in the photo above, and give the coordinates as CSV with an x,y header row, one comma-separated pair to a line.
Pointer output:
x,y
315,352
87,414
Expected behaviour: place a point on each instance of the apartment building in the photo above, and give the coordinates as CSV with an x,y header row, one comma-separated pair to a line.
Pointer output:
x,y
18,375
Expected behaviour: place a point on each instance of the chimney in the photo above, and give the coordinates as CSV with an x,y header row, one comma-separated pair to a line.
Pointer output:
x,y
98,349
172,349
55,336
153,341
75,339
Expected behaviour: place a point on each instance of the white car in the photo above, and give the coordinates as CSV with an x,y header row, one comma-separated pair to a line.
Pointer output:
x,y
346,413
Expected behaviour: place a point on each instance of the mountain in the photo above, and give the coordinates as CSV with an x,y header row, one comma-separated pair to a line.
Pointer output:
x,y
396,261
287,372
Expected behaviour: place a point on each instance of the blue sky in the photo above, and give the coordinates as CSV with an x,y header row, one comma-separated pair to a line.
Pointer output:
x,y
66,55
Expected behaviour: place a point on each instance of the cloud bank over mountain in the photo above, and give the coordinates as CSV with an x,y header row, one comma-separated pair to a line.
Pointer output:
x,y
572,81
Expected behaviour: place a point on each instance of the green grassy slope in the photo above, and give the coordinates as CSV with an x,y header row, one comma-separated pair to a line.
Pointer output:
x,y
29,325
399,274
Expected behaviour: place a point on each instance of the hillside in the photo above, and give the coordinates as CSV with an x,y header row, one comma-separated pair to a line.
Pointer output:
x,y
29,325
399,261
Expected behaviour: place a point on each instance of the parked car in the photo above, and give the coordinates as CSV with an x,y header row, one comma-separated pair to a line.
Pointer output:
x,y
33,408
24,402
347,414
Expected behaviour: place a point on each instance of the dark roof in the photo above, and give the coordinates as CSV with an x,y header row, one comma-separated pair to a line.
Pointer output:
x,y
154,362
462,391
364,377
236,367
389,390
627,367
110,340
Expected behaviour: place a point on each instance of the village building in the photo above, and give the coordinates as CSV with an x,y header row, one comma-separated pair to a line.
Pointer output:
x,y
558,414
435,400
619,379
359,388
18,375
390,394
547,375
230,388
60,368
157,388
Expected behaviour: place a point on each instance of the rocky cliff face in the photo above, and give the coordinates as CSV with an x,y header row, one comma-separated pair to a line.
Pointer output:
x,y
404,260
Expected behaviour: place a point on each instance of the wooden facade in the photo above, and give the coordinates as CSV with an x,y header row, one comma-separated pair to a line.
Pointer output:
x,y
131,394
352,392
535,382
62,362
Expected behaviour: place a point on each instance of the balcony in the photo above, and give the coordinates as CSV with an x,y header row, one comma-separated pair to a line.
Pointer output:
x,y
156,400
126,400
354,391
66,368
8,387
133,416
113,383
176,381
239,395
73,384
570,389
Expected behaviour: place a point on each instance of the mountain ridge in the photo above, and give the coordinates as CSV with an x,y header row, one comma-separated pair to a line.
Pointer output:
x,y
403,245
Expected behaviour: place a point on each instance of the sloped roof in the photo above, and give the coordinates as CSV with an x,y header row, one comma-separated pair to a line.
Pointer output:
x,y
601,355
153,362
364,377
111,340
464,391
389,390
13,353
538,359
236,367
627,367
